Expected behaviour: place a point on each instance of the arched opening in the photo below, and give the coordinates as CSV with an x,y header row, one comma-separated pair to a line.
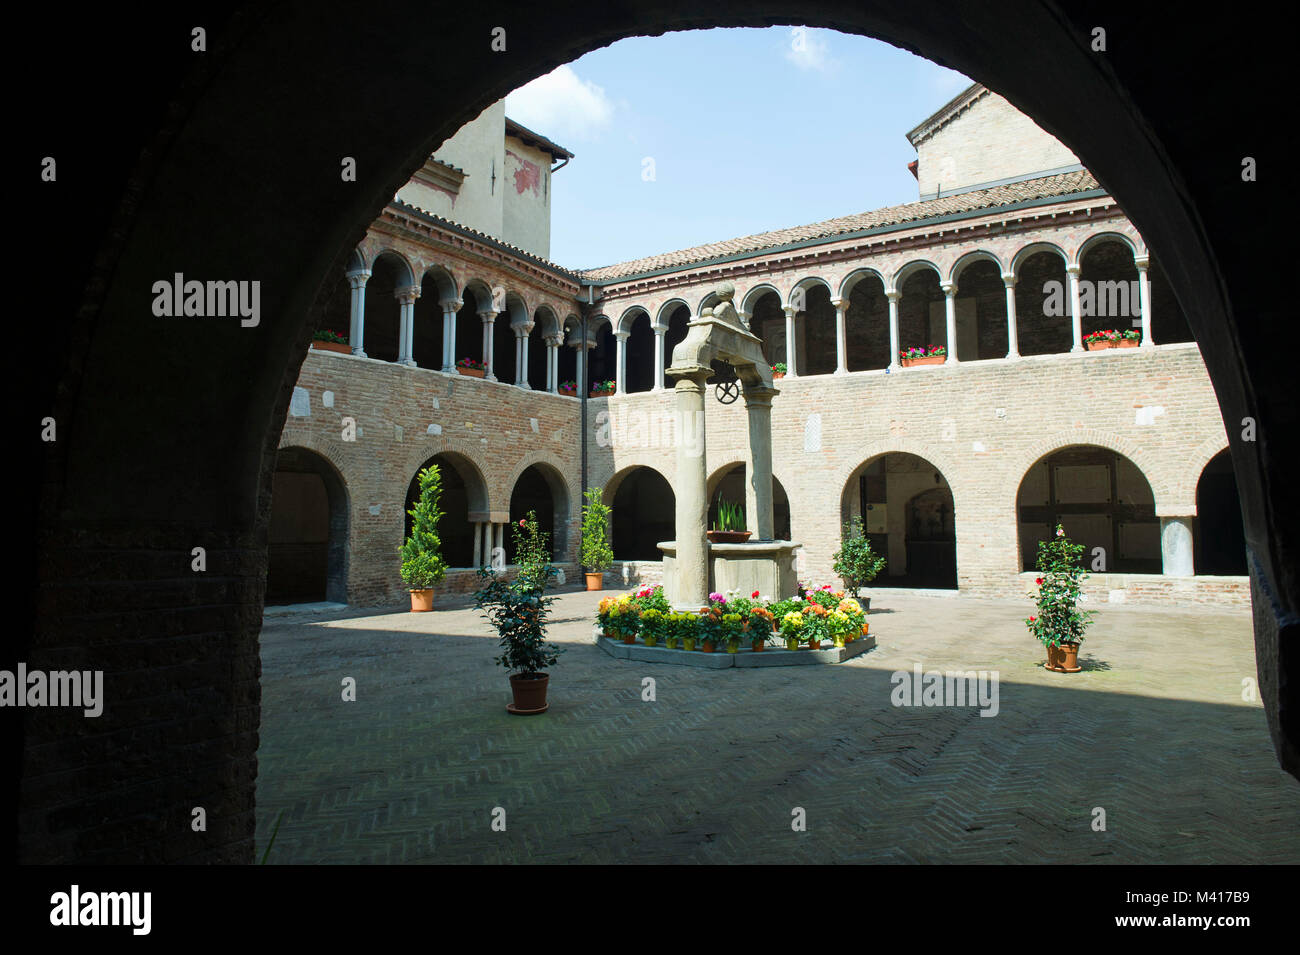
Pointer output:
x,y
1101,499
907,512
426,342
867,324
1043,322
817,347
729,484
383,312
767,321
1168,320
541,489
922,314
463,502
604,356
505,339
307,537
981,304
1108,288
674,336
1218,539
337,308
469,325
544,325
644,513
568,358
640,347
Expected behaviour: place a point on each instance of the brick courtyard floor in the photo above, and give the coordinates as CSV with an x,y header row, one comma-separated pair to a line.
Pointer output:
x,y
1154,731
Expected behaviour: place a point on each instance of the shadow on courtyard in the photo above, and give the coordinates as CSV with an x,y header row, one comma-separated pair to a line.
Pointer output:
x,y
715,767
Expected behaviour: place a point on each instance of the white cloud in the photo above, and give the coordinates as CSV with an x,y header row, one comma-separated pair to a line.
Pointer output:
x,y
561,106
809,50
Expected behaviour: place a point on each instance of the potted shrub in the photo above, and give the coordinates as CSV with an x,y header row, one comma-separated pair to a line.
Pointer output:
x,y
518,611
602,389
327,339
421,552
596,554
1059,624
923,355
569,388
855,562
532,551
729,525
779,370
471,367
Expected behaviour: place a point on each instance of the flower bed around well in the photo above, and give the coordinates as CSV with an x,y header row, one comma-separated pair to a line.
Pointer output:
x,y
731,621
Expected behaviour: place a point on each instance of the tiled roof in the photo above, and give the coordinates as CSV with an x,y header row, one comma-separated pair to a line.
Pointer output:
x,y
1062,184
401,205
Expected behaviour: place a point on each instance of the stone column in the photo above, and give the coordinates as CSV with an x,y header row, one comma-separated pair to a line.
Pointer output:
x,y
1176,546
692,564
406,297
758,492
841,336
478,544
449,310
659,331
1076,320
500,540
950,319
894,348
1143,262
357,332
488,317
620,364
1013,339
553,343
522,333
791,356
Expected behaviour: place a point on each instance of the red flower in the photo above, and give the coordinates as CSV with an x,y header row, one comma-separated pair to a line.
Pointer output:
x,y
523,522
1032,619
754,595
1039,580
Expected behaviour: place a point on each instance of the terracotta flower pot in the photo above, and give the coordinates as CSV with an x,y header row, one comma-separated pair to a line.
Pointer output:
x,y
339,347
778,375
1064,658
595,581
602,394
1100,346
421,600
629,637
529,694
472,372
757,645
1127,343
814,644
707,646
728,537
927,360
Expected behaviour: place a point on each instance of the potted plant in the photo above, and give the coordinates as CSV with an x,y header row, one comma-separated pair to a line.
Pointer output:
x,y
729,525
779,370
596,554
602,389
326,339
710,625
471,367
1059,624
653,626
733,628
923,355
792,624
569,388
421,552
688,627
760,628
855,562
518,611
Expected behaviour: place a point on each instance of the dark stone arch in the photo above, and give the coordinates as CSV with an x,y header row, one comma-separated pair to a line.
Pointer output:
x,y
817,353
228,391
1107,265
981,332
463,502
1101,498
541,488
674,336
426,343
381,333
644,513
640,357
307,536
729,483
1042,286
1218,539
908,515
867,325
921,317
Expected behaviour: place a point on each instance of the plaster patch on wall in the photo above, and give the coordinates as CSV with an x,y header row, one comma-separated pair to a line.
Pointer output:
x,y
1148,415
435,429
300,403
397,432
527,176
533,423
1115,596
812,433
375,508
436,406
327,399
978,447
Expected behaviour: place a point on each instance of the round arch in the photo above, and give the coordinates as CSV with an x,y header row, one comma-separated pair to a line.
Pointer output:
x,y
644,512
728,482
857,275
307,536
1033,248
463,503
1218,538
977,255
538,485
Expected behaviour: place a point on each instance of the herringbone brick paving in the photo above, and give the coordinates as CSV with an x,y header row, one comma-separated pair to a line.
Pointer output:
x,y
1154,732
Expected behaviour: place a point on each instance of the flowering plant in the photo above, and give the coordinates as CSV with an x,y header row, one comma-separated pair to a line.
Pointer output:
x,y
1113,335
471,363
1059,619
601,388
653,625
329,335
568,388
923,351
780,368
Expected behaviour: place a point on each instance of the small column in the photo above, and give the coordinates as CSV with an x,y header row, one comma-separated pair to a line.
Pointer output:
x,y
950,317
791,358
406,297
1013,340
758,491
553,362
488,317
521,375
449,310
488,529
1176,546
841,336
894,348
478,544
692,494
1143,262
501,540
1076,320
357,332
659,331
620,363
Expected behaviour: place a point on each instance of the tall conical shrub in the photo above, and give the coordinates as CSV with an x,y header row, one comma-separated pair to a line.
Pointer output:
x,y
422,563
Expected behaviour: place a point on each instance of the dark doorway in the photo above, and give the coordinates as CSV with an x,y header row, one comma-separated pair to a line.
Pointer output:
x,y
1218,537
307,539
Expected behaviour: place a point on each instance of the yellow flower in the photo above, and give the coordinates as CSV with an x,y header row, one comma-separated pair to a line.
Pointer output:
x,y
849,605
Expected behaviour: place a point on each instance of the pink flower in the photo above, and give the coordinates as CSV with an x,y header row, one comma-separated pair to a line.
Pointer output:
x,y
523,522
1060,532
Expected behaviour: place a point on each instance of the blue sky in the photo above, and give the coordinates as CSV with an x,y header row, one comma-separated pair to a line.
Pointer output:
x,y
747,129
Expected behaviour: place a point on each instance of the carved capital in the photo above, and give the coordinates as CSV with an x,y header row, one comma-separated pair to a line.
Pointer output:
x,y
359,278
407,294
949,288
